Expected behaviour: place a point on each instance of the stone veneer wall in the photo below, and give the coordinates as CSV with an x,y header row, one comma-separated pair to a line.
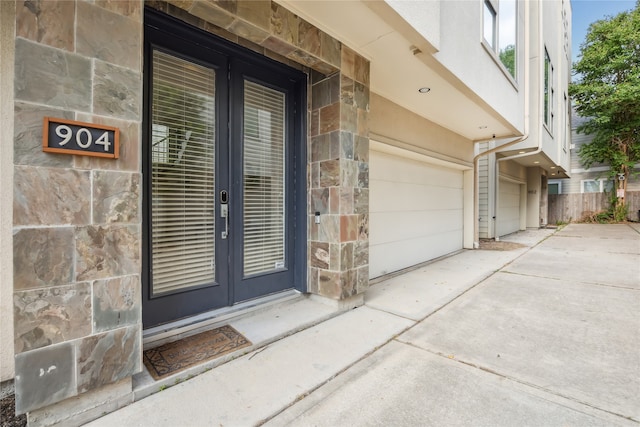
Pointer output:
x,y
76,219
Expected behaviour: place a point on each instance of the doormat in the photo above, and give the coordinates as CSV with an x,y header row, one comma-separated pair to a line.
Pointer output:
x,y
179,355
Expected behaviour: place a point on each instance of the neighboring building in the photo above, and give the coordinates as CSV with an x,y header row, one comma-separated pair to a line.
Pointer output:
x,y
264,147
514,180
595,179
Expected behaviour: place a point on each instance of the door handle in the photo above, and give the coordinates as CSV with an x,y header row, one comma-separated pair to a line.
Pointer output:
x,y
224,213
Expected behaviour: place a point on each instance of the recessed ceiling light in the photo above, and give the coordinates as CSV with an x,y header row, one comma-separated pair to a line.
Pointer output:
x,y
522,152
536,162
553,167
553,174
424,89
482,127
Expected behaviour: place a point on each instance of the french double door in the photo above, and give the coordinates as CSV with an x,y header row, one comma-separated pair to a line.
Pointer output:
x,y
223,131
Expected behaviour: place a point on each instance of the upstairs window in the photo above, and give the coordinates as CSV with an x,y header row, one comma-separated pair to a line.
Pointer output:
x,y
548,91
500,31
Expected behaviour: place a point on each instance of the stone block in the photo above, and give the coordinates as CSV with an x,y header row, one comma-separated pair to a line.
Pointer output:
x,y
330,173
284,24
348,173
44,376
108,358
42,257
330,49
330,118
248,31
346,200
329,284
116,303
361,96
334,200
346,145
278,46
47,22
312,280
346,256
362,126
130,146
348,61
320,146
117,91
51,315
361,148
108,36
348,228
212,13
116,197
329,228
360,200
107,251
334,256
348,284
362,279
50,196
80,410
315,175
257,12
363,227
309,37
348,118
361,253
320,200
129,8
363,175
50,76
361,70
314,123
319,253
27,136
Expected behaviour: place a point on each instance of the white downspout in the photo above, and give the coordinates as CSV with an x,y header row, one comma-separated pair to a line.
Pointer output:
x,y
476,202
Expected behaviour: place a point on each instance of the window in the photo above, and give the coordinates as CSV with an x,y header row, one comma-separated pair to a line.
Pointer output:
x,y
595,185
554,187
500,31
548,91
490,25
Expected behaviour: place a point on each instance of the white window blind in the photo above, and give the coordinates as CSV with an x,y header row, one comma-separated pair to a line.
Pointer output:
x,y
183,179
264,179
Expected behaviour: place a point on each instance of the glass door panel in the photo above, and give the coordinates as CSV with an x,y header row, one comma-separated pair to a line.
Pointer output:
x,y
264,189
183,183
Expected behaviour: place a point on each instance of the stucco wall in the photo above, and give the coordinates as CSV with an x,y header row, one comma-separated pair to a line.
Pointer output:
x,y
7,30
392,121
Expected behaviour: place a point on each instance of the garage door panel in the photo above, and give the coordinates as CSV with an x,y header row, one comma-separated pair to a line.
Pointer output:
x,y
393,256
508,219
399,169
415,212
396,197
409,225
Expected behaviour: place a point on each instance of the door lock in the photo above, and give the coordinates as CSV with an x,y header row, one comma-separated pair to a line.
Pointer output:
x,y
224,213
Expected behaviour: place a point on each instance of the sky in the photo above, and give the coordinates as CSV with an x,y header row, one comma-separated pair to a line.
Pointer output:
x,y
587,11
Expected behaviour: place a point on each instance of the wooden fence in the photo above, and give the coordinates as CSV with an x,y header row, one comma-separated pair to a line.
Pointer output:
x,y
574,207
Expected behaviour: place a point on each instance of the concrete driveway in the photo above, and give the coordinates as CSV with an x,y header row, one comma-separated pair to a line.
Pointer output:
x,y
552,338
546,334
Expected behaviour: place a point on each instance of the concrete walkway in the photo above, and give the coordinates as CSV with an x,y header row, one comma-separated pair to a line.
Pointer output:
x,y
544,335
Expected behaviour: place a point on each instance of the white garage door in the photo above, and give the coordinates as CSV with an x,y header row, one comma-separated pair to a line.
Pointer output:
x,y
508,220
415,212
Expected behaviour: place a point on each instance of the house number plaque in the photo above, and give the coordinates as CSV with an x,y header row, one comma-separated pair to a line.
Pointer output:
x,y
84,139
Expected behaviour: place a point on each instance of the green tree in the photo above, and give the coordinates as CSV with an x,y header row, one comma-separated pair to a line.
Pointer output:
x,y
607,93
508,58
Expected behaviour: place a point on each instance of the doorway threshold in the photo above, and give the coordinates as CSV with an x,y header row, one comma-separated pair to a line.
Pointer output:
x,y
262,321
